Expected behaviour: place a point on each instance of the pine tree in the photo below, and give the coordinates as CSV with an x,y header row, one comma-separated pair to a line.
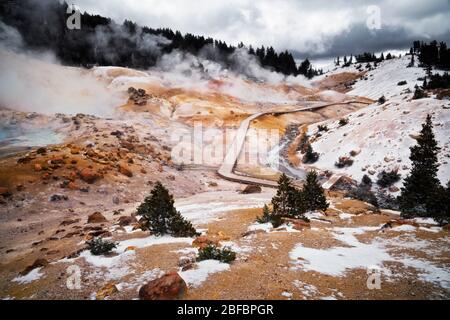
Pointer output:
x,y
439,206
287,202
310,156
313,193
419,93
161,216
422,186
265,216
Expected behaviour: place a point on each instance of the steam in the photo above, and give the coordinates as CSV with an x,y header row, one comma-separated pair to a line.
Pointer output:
x,y
10,37
246,80
112,40
32,85
36,82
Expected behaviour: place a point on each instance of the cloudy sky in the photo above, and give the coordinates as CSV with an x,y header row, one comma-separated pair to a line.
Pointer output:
x,y
320,28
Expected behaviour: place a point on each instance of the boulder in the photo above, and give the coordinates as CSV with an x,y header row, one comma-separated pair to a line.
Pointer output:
x,y
96,217
251,189
126,221
89,175
72,186
38,263
41,150
203,241
169,287
125,170
394,189
37,167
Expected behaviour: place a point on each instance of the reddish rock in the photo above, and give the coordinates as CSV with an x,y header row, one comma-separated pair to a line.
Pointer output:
x,y
72,186
72,176
38,263
37,167
126,221
125,170
251,189
88,175
96,217
393,189
169,287
203,241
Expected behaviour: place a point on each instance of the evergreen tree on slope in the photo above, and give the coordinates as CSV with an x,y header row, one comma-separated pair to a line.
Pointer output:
x,y
313,193
421,188
161,216
287,202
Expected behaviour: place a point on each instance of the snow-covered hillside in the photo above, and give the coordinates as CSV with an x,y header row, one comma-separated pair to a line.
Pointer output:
x,y
385,78
380,136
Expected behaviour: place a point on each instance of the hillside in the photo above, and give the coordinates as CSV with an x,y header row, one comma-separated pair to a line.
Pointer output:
x,y
381,134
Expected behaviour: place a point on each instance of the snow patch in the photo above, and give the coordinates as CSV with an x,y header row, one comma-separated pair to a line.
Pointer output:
x,y
31,276
195,277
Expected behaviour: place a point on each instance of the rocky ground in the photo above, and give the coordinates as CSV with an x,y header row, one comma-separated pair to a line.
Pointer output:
x,y
56,197
84,176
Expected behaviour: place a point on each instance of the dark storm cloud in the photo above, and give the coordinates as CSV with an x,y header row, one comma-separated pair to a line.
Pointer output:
x,y
314,28
359,39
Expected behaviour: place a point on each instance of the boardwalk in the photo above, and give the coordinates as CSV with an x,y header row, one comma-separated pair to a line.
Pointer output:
x,y
226,170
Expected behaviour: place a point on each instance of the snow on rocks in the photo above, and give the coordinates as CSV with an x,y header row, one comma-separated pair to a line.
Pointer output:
x,y
287,295
306,289
195,277
405,228
119,263
268,228
33,275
